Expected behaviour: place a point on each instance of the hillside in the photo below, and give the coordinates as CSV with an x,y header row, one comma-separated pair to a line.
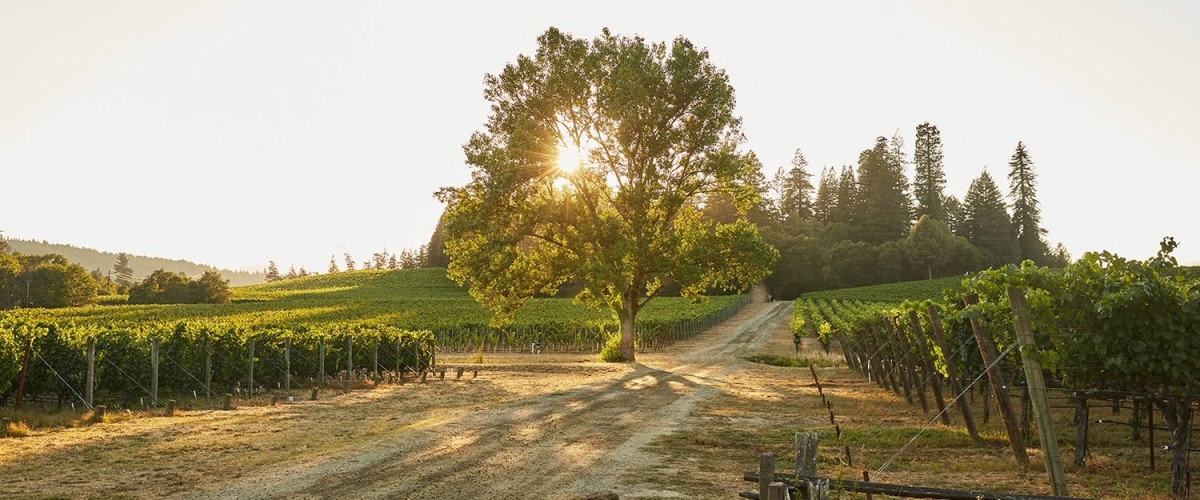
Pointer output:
x,y
417,299
891,292
142,265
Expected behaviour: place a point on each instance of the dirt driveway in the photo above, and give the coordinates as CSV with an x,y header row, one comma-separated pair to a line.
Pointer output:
x,y
556,426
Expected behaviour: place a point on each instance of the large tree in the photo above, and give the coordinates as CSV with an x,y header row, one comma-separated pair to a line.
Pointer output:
x,y
845,205
929,177
795,189
884,207
122,272
986,223
826,194
590,169
1026,214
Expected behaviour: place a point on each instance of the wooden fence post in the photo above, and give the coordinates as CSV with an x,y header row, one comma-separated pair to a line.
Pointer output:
x,y
154,371
170,408
349,361
939,335
806,454
777,491
100,411
766,473
1037,392
91,371
228,402
931,375
996,379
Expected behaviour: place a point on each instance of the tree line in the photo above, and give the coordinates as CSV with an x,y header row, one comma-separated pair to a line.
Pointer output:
x,y
868,223
51,281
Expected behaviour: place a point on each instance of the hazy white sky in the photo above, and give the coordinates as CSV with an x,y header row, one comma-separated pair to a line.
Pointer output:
x,y
231,133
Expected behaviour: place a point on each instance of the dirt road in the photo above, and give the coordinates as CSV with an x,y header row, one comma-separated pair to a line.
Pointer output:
x,y
547,426
571,442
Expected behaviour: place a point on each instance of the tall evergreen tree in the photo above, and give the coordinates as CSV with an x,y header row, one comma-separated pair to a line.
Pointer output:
x,y
953,210
795,189
986,223
333,267
4,248
827,190
121,270
272,272
1027,215
929,176
845,208
883,205
349,261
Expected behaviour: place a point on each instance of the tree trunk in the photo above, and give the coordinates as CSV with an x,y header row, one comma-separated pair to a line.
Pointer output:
x,y
628,313
1178,414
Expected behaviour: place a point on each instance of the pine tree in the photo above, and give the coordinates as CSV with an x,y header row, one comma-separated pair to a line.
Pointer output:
x,y
884,208
1027,216
986,223
291,274
826,195
845,208
953,211
349,261
795,189
393,263
929,176
272,272
122,270
4,248
333,267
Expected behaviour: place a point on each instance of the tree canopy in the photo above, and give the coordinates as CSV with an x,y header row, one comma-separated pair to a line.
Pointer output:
x,y
649,130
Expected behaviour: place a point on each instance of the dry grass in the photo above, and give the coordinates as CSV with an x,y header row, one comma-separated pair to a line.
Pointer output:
x,y
762,408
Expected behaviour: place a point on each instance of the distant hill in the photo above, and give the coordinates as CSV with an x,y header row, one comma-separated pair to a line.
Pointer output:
x,y
142,265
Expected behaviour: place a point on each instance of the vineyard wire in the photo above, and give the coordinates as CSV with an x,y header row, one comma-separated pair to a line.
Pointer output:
x,y
966,389
55,372
131,379
189,373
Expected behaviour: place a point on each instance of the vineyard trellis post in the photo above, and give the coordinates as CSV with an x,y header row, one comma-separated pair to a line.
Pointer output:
x,y
987,350
91,370
208,366
24,372
375,360
913,369
939,335
250,386
1037,391
321,361
349,361
287,364
933,377
154,371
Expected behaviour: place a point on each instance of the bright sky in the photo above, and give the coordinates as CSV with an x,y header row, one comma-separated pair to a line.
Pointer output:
x,y
232,133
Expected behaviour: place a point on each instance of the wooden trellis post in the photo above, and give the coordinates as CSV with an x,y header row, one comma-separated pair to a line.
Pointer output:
x,y
996,379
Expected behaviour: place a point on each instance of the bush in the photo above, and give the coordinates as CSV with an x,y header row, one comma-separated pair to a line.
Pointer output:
x,y
611,353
